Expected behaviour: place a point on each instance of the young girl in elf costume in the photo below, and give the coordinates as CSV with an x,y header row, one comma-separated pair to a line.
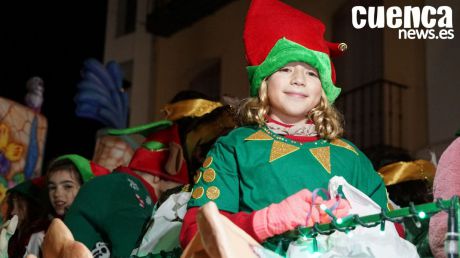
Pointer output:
x,y
30,201
64,177
261,175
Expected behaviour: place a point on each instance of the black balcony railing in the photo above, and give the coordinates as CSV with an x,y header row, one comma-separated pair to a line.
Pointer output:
x,y
373,114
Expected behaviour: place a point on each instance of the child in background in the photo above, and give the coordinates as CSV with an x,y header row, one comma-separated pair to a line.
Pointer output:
x,y
65,176
27,200
111,212
63,179
260,175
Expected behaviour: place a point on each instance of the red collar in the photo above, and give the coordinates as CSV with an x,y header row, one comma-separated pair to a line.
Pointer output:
x,y
149,187
302,139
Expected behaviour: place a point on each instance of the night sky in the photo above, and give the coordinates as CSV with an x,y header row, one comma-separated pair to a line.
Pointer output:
x,y
51,41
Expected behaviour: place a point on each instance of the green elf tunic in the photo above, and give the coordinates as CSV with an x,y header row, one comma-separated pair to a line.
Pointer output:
x,y
252,167
113,209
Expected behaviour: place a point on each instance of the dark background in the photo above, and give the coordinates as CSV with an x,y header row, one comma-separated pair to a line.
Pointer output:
x,y
51,40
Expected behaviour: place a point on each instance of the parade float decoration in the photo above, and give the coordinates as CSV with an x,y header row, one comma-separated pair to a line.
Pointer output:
x,y
101,97
22,137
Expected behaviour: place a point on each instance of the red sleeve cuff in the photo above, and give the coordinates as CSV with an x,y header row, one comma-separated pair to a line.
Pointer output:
x,y
189,227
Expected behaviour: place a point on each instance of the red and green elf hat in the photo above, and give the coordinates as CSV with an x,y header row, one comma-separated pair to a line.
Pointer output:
x,y
276,34
85,167
160,154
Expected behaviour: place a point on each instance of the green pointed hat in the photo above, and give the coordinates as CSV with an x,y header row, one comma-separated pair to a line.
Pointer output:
x,y
85,167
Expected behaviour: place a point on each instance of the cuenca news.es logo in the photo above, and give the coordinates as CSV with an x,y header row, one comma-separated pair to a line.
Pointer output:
x,y
412,22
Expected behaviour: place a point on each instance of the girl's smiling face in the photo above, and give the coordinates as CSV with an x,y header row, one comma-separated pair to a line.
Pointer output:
x,y
62,189
293,91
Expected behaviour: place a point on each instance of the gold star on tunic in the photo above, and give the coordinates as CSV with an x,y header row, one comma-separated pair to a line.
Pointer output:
x,y
281,149
343,144
259,136
323,155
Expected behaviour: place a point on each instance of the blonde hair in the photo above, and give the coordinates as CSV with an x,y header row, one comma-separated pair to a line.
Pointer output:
x,y
327,119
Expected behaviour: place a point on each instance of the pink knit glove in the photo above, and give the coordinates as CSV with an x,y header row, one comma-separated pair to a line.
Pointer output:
x,y
339,207
286,215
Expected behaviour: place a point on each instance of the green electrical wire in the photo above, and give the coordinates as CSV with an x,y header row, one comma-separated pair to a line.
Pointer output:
x,y
348,223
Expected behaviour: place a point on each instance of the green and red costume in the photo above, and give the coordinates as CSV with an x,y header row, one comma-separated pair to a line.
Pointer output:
x,y
252,167
116,208
251,162
112,209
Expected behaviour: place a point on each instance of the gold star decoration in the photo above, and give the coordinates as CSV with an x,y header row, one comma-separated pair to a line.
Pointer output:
x,y
281,149
343,144
323,156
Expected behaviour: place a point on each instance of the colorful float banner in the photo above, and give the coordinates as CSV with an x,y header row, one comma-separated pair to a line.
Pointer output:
x,y
22,142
